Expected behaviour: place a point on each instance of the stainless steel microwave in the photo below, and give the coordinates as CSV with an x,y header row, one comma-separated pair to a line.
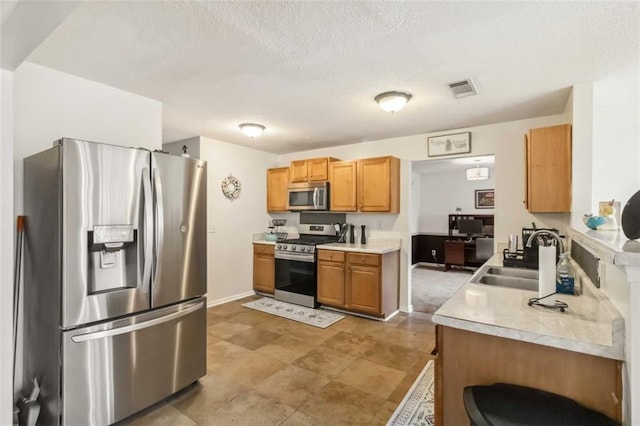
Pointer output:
x,y
308,196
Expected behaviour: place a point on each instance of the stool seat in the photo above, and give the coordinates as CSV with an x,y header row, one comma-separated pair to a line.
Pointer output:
x,y
506,405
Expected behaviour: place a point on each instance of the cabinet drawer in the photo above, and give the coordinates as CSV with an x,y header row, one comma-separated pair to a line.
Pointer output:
x,y
263,249
364,259
332,255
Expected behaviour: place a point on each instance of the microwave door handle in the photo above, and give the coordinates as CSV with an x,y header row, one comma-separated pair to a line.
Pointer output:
x,y
315,198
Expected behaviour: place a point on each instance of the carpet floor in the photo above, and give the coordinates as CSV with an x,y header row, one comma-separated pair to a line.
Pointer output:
x,y
432,287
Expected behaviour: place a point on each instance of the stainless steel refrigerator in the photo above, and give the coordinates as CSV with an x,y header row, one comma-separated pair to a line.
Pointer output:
x,y
114,279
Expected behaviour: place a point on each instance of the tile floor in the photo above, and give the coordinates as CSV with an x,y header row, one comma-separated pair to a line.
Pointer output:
x,y
267,370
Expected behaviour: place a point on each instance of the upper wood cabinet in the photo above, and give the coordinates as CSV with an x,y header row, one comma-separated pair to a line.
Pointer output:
x,y
311,170
379,185
548,169
342,193
277,182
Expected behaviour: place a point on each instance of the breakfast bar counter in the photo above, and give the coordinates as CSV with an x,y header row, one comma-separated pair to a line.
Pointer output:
x,y
590,324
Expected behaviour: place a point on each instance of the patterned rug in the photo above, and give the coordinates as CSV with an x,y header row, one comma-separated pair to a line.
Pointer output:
x,y
416,409
315,317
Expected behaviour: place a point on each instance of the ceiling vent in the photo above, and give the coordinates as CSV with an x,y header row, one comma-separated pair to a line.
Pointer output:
x,y
463,88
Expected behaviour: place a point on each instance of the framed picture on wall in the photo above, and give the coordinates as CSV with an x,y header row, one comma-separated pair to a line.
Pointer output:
x,y
485,198
458,143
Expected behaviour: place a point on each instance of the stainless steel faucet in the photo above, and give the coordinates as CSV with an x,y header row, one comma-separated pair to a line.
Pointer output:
x,y
548,233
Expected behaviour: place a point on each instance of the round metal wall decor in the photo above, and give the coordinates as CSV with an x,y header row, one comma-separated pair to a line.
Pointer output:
x,y
231,187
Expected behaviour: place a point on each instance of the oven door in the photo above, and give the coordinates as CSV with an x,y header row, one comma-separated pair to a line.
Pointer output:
x,y
296,281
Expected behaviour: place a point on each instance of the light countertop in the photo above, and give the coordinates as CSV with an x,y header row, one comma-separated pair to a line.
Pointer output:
x,y
376,246
590,325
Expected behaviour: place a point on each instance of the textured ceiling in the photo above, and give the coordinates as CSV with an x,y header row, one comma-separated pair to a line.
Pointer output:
x,y
309,71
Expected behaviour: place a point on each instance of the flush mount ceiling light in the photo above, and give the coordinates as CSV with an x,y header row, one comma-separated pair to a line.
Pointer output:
x,y
478,173
253,130
392,101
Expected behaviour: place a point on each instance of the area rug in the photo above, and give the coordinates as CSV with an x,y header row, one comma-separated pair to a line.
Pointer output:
x,y
416,409
315,317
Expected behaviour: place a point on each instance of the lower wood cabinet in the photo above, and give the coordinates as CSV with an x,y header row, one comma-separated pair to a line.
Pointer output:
x,y
264,268
466,358
361,282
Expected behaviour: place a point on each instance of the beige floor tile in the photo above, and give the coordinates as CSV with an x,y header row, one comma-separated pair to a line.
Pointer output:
x,y
222,353
409,339
350,343
251,317
384,413
160,414
225,329
325,361
201,400
227,309
250,408
394,356
253,338
370,377
286,349
292,385
342,404
301,419
251,369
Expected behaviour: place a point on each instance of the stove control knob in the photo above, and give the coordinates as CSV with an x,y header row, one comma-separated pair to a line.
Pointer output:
x,y
293,248
309,249
279,246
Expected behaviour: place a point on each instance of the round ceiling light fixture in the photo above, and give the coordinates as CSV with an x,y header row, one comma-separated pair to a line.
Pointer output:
x,y
253,130
392,101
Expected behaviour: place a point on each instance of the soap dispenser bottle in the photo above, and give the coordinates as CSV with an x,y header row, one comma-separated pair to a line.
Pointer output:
x,y
363,235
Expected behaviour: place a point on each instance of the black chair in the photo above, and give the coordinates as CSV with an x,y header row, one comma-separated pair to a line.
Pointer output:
x,y
508,405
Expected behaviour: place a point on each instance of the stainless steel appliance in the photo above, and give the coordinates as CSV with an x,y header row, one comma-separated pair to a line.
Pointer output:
x,y
308,196
115,279
295,269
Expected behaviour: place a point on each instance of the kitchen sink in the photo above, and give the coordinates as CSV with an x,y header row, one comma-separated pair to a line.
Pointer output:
x,y
513,272
523,279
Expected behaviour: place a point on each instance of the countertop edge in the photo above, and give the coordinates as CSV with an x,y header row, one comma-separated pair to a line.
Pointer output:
x,y
376,246
611,352
611,246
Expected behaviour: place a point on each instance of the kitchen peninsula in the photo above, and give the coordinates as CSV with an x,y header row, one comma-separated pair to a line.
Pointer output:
x,y
488,334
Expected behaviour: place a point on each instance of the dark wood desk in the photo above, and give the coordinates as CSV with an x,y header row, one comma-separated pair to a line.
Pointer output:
x,y
460,252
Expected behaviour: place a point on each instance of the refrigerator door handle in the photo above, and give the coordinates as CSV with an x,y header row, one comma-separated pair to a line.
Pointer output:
x,y
148,229
159,222
135,327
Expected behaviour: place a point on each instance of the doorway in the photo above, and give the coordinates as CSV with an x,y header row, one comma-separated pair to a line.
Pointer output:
x,y
440,188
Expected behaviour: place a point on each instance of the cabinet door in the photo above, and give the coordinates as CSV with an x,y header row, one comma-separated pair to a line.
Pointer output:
x,y
299,171
342,178
379,185
331,283
263,272
277,181
318,170
549,169
364,289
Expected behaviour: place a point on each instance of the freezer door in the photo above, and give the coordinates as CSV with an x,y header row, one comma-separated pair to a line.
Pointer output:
x,y
113,370
180,213
106,230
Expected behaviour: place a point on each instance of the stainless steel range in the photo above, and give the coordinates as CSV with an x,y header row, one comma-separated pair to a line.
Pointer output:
x,y
296,269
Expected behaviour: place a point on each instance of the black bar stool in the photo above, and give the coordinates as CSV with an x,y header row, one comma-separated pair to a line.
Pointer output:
x,y
508,405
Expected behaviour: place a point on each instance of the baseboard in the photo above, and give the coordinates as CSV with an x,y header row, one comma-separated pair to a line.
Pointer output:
x,y
406,309
229,298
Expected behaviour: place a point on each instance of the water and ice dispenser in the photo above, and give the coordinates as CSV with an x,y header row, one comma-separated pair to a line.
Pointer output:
x,y
113,259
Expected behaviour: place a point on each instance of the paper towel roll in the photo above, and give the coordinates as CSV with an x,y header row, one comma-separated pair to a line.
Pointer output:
x,y
546,270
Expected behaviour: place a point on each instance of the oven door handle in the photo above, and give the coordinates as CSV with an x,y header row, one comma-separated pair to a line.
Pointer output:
x,y
296,257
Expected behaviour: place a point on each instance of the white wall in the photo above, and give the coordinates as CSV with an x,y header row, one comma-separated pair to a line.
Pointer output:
x,y
229,248
582,150
51,104
616,142
442,193
6,247
416,198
